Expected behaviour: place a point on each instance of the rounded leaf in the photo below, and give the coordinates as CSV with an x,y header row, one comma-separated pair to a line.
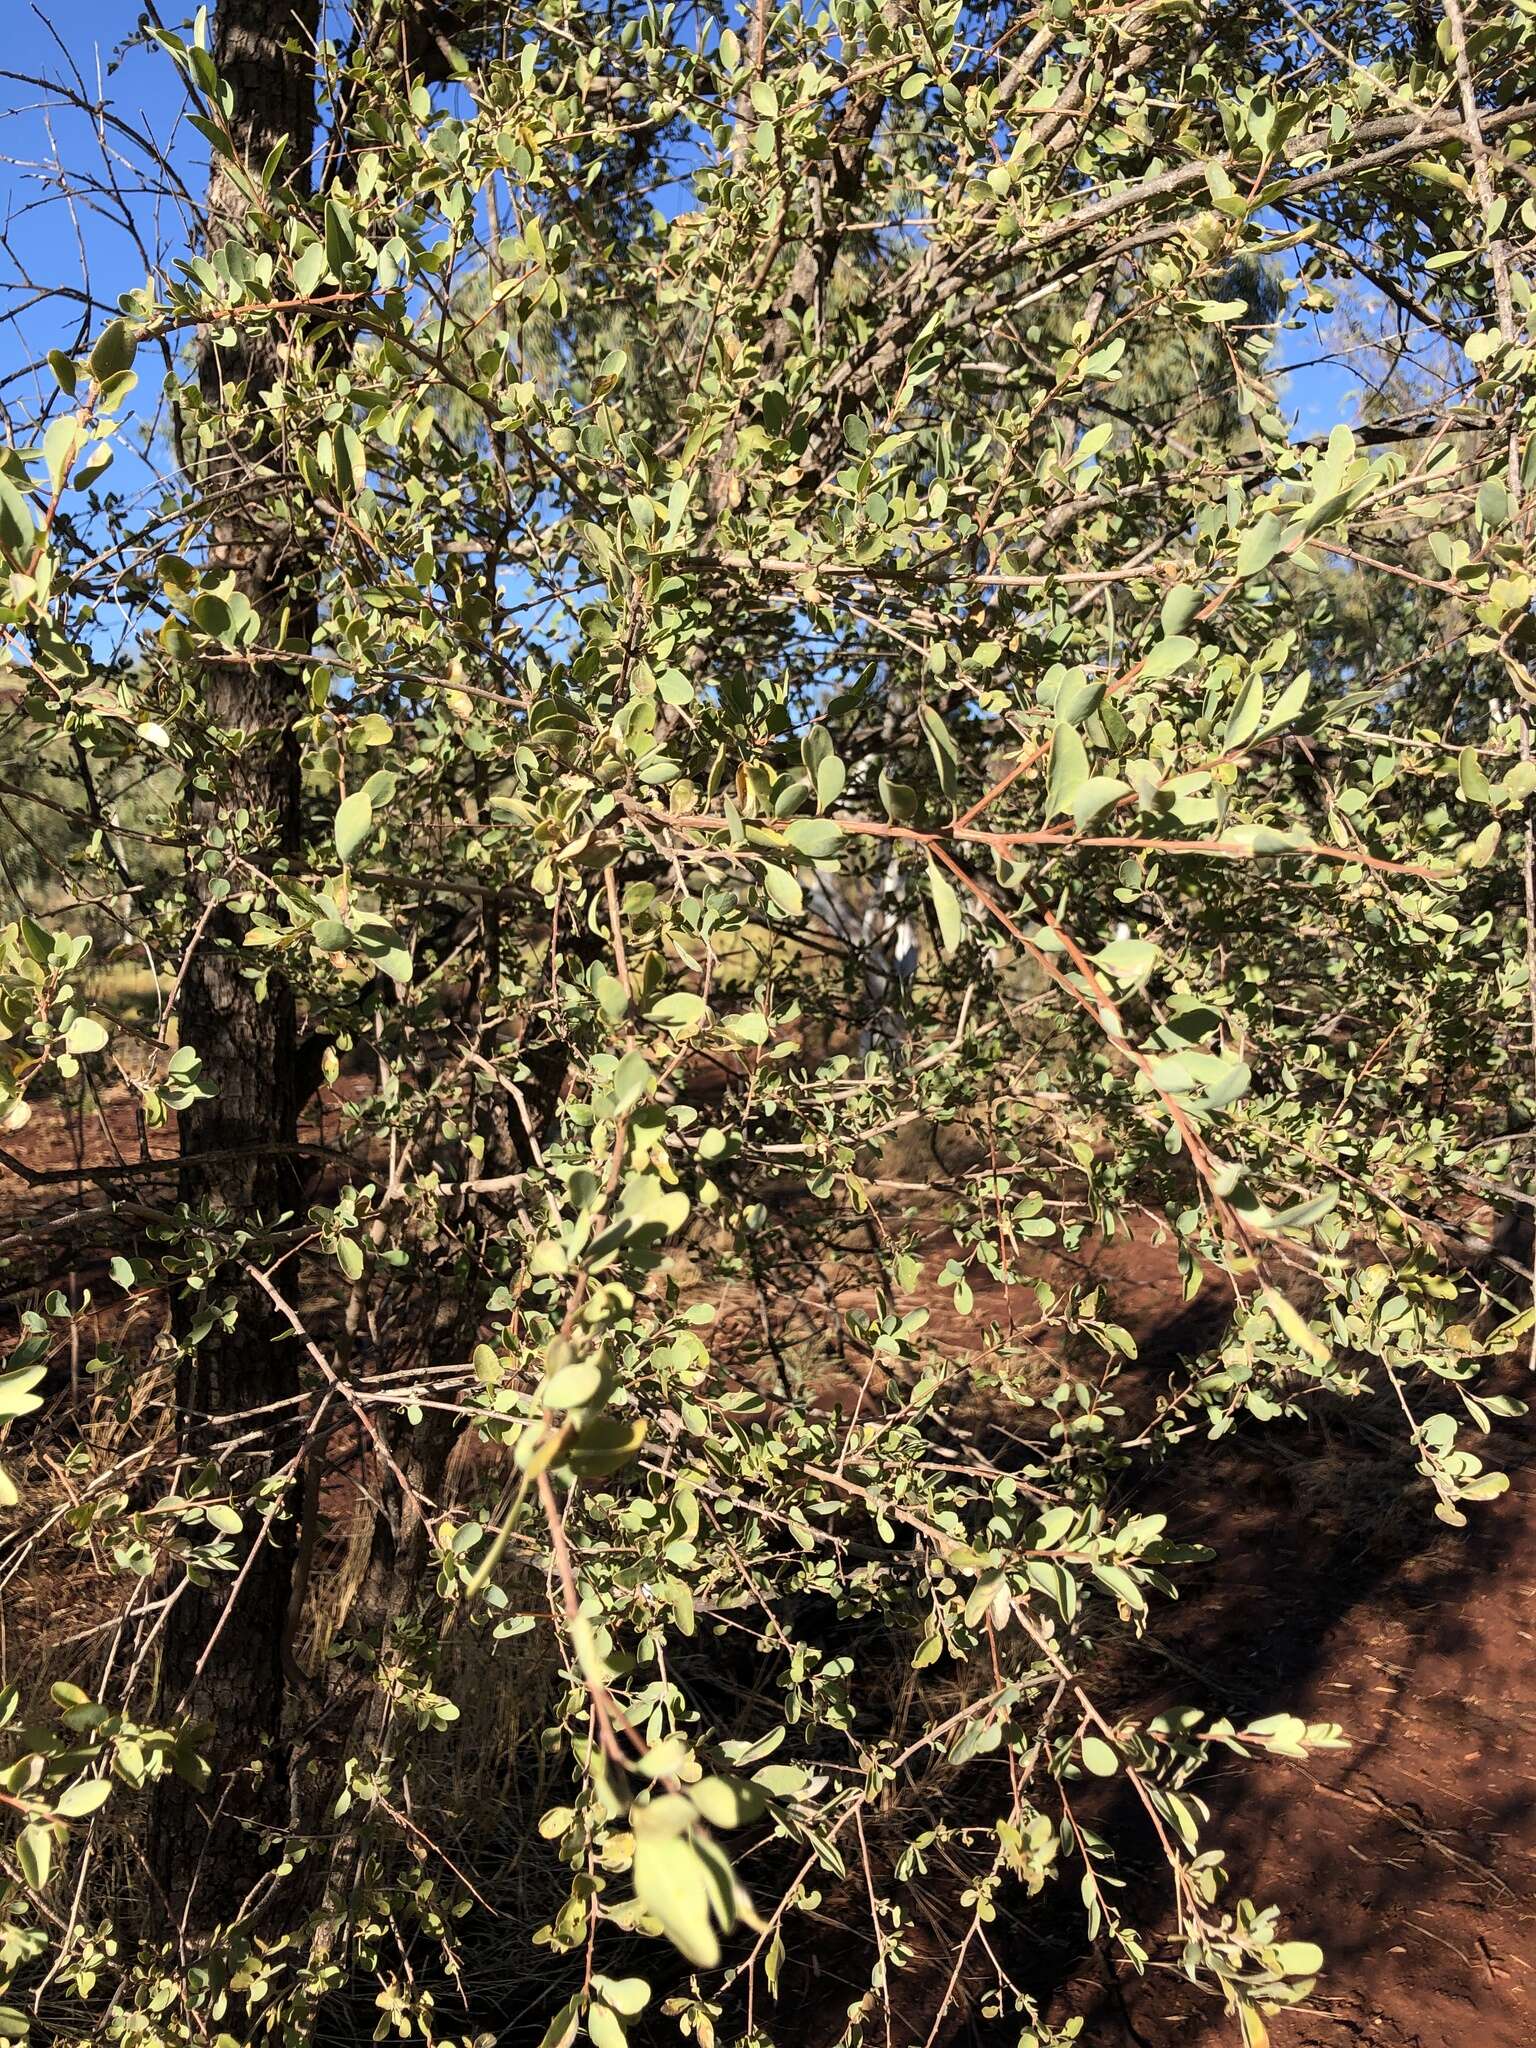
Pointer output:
x,y
354,821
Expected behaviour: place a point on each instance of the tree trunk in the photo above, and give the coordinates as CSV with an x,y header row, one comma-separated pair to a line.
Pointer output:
x,y
222,1660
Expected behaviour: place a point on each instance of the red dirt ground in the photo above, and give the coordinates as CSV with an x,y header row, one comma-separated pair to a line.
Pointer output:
x,y
1411,1856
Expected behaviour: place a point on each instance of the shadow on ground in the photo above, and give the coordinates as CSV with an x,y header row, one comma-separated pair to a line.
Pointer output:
x,y
1411,1856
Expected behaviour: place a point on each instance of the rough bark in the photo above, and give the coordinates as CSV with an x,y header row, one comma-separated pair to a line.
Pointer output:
x,y
222,1652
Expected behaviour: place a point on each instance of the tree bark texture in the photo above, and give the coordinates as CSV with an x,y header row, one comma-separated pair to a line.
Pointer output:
x,y
222,1656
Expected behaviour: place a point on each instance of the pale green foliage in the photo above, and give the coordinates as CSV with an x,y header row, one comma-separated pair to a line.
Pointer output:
x,y
902,526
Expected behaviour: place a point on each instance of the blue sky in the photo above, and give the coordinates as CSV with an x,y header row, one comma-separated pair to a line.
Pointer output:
x,y
70,249
86,248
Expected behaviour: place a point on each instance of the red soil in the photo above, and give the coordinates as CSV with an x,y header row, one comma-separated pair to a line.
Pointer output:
x,y
1411,1856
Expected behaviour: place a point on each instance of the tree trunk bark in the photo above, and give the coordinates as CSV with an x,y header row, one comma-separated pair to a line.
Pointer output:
x,y
222,1656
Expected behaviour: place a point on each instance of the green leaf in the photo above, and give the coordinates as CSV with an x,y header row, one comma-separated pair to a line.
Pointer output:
x,y
308,270
946,907
114,352
16,1396
1168,656
76,1801
1492,504
1251,2021
18,529
85,1035
1077,697
1296,1326
573,1386
1103,360
750,1027
611,997
1069,770
564,2027
632,1080
648,1200
680,1012
351,463
1128,961
378,943
1222,1078
1246,715
606,1444
1259,546
1095,796
211,614
727,1802
674,1885
1115,1579
816,838
1098,1757
1301,1215
941,745
1470,777
60,444
783,890
34,1852
627,1995
605,2029
354,821
1288,707
1179,607
1261,840
340,237
898,798
831,780
1298,1958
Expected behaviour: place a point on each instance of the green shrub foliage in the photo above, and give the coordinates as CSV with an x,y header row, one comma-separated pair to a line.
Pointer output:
x,y
722,593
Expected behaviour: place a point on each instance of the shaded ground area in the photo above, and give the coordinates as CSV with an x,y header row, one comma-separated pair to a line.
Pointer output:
x,y
1335,1594
1411,1856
